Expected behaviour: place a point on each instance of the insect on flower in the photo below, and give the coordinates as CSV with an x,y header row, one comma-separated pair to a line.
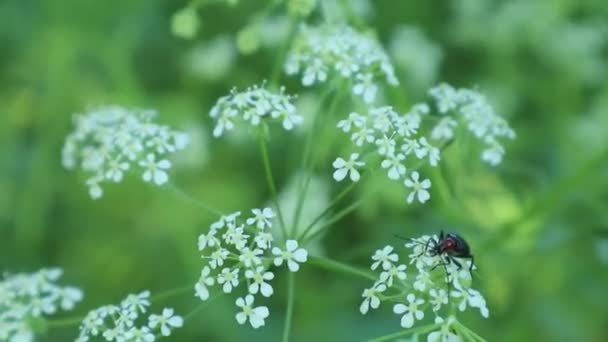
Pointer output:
x,y
448,247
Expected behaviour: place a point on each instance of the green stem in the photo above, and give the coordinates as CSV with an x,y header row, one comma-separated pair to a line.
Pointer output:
x,y
199,307
329,222
419,330
188,198
63,322
333,202
308,159
270,181
172,292
337,266
290,303
474,336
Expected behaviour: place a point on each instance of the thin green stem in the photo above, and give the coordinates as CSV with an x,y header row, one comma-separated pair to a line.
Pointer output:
x,y
337,266
290,304
270,181
188,198
199,307
333,202
172,292
308,158
329,222
419,330
64,322
474,336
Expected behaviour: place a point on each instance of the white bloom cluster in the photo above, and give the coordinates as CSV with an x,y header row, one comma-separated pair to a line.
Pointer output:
x,y
242,252
478,115
27,296
108,141
320,51
252,106
120,322
395,139
427,284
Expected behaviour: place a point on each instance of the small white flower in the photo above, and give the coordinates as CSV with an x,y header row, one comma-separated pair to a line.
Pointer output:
x,y
217,257
473,298
263,239
229,279
370,297
393,272
116,169
343,168
255,315
439,297
410,311
140,335
419,189
204,281
155,171
386,146
445,334
365,86
384,257
208,240
250,257
315,72
259,278
426,149
261,218
444,129
292,255
394,165
138,302
166,321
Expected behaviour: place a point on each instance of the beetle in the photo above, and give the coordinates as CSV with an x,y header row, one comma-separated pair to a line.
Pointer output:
x,y
449,247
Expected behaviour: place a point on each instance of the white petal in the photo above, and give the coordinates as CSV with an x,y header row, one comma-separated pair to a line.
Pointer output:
x,y
241,317
160,177
354,175
340,174
407,321
399,308
266,290
300,255
293,266
291,245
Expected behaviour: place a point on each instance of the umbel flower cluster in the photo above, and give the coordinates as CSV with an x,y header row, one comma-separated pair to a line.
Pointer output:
x,y
253,106
124,322
242,253
478,116
109,141
321,53
394,139
24,297
427,285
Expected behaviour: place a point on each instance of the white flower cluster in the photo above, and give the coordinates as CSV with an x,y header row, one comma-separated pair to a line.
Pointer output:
x,y
120,322
239,252
479,116
395,139
320,51
108,141
252,106
428,283
27,296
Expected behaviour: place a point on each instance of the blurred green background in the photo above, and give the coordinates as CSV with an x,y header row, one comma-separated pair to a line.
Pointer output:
x,y
537,224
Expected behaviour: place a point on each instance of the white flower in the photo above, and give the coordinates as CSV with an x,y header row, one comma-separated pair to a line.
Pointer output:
x,y
384,257
259,278
155,171
332,51
140,335
204,281
410,311
444,129
472,298
419,189
250,257
445,334
394,165
229,279
255,315
394,271
166,321
138,302
439,297
370,297
208,240
109,141
343,168
254,106
262,218
292,255
263,239
217,257
426,149
365,87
